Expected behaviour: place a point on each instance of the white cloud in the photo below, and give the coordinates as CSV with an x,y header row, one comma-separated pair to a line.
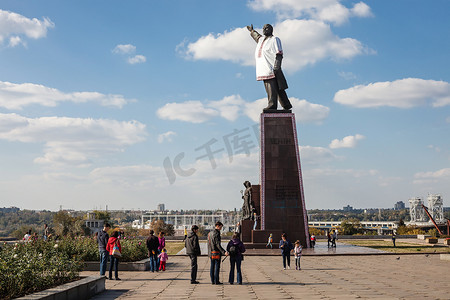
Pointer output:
x,y
439,174
135,176
316,155
124,49
305,112
166,136
324,10
13,26
137,59
231,107
17,96
402,93
189,111
71,141
347,142
328,172
128,49
305,42
347,75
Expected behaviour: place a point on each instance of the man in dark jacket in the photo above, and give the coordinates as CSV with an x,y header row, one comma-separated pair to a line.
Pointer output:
x,y
102,240
215,252
193,250
235,248
152,246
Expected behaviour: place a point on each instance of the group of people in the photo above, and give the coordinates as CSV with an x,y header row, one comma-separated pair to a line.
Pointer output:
x,y
234,250
332,237
110,245
30,236
110,249
157,252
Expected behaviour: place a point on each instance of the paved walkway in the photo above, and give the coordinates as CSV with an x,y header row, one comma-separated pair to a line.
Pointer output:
x,y
321,248
338,277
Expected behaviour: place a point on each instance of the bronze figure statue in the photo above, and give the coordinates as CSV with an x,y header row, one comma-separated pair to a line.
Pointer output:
x,y
247,207
268,56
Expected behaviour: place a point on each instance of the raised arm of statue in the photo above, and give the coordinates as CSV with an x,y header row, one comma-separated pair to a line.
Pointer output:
x,y
254,34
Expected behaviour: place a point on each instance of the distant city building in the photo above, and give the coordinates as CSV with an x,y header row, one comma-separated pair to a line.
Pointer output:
x,y
348,208
399,205
436,207
95,225
161,207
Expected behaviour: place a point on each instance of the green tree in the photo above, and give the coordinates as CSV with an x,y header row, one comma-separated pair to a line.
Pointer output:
x,y
351,226
160,225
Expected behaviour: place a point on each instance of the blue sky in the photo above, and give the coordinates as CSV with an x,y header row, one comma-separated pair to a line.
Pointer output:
x,y
114,103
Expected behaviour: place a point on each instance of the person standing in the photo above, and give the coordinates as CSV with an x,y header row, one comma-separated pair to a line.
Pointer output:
x,y
329,239
152,246
238,229
313,241
102,240
46,232
393,238
286,247
235,248
114,261
163,257
215,252
193,250
162,245
298,254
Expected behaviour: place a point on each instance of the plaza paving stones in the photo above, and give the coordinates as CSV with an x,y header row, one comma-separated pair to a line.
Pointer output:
x,y
321,277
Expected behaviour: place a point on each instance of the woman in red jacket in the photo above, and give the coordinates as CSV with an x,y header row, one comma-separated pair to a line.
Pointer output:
x,y
114,261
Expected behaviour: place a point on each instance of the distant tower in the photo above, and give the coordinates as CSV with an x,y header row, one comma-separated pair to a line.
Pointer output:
x,y
416,211
161,207
436,207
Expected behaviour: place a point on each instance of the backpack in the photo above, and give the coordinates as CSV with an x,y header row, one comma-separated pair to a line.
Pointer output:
x,y
233,250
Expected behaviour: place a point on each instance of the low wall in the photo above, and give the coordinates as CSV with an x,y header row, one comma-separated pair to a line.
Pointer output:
x,y
84,288
368,237
142,265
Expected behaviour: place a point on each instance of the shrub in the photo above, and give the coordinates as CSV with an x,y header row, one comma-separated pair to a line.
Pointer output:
x,y
29,267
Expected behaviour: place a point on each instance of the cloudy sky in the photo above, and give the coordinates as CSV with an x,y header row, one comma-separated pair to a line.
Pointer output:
x,y
118,102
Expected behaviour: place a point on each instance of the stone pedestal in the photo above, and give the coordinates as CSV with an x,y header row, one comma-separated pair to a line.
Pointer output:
x,y
282,198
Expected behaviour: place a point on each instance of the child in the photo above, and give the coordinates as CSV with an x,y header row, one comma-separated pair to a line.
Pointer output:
x,y
298,254
163,258
269,241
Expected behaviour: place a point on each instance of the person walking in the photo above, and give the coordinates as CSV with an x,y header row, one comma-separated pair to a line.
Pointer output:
x,y
102,240
185,233
269,241
163,257
152,246
298,254
162,245
113,260
333,239
193,250
329,239
286,247
215,252
235,248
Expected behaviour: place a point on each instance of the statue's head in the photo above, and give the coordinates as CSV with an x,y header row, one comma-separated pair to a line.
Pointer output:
x,y
267,30
247,184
